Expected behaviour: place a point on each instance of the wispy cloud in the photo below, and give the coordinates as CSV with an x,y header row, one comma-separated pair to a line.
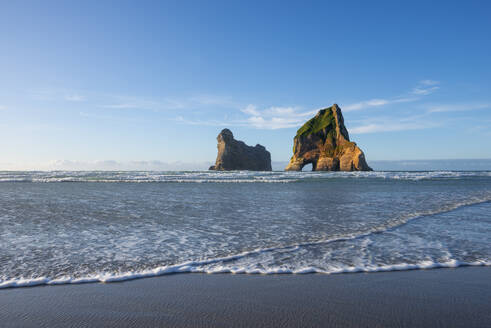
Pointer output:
x,y
288,117
251,110
457,107
111,117
56,94
106,165
211,100
273,123
423,88
429,82
224,123
270,118
365,104
75,98
375,103
189,103
426,87
45,94
123,102
2,107
276,117
114,101
481,129
389,124
189,108
417,122
130,105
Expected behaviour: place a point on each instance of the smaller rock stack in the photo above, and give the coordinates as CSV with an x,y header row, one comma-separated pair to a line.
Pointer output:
x,y
236,155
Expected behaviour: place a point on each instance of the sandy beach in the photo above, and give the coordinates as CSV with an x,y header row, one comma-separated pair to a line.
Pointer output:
x,y
422,298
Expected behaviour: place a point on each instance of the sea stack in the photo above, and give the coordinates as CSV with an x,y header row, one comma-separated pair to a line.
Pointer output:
x,y
236,155
324,142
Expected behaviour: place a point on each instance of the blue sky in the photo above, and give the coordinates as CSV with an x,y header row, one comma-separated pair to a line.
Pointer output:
x,y
156,81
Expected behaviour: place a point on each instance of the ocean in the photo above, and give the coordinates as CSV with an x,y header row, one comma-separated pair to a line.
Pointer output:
x,y
66,227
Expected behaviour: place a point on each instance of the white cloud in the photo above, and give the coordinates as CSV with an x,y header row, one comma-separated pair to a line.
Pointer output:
x,y
364,104
251,110
424,91
275,117
425,87
273,123
2,107
375,103
270,118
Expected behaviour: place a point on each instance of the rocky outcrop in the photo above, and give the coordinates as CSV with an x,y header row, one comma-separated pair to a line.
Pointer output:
x,y
236,155
324,142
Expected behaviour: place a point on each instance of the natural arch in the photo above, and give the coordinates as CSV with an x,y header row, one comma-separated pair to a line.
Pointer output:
x,y
308,167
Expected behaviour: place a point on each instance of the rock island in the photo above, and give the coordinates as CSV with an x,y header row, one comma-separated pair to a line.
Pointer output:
x,y
236,155
324,142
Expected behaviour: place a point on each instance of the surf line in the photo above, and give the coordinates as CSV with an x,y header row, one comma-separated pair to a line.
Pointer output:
x,y
193,266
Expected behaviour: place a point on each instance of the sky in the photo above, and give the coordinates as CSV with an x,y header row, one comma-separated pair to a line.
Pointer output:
x,y
151,83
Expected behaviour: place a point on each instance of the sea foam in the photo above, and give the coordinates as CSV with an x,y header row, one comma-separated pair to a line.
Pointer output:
x,y
195,267
226,177
237,222
226,264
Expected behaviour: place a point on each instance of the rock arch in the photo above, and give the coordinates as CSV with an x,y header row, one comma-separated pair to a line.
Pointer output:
x,y
324,142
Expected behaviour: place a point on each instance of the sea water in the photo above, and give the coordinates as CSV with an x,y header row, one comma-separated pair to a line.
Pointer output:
x,y
73,227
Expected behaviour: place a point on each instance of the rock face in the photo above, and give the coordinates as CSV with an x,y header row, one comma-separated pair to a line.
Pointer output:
x,y
236,155
324,142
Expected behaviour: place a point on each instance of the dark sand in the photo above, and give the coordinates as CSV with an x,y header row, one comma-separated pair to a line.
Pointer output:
x,y
433,298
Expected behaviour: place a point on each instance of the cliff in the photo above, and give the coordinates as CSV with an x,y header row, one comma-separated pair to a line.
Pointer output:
x,y
324,142
236,155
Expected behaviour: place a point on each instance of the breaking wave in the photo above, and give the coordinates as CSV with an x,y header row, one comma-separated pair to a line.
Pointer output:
x,y
227,177
226,264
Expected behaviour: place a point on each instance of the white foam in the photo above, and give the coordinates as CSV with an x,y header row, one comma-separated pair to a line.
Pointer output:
x,y
199,266
224,267
194,267
227,177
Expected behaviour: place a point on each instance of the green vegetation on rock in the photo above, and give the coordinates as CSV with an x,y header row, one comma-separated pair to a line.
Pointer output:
x,y
322,120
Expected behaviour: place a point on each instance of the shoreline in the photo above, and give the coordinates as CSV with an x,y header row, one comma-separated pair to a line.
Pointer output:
x,y
186,268
447,297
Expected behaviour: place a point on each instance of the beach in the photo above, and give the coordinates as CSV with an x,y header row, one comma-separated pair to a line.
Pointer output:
x,y
458,297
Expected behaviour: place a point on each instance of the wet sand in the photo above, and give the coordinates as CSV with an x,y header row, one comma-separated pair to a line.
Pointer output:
x,y
424,298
